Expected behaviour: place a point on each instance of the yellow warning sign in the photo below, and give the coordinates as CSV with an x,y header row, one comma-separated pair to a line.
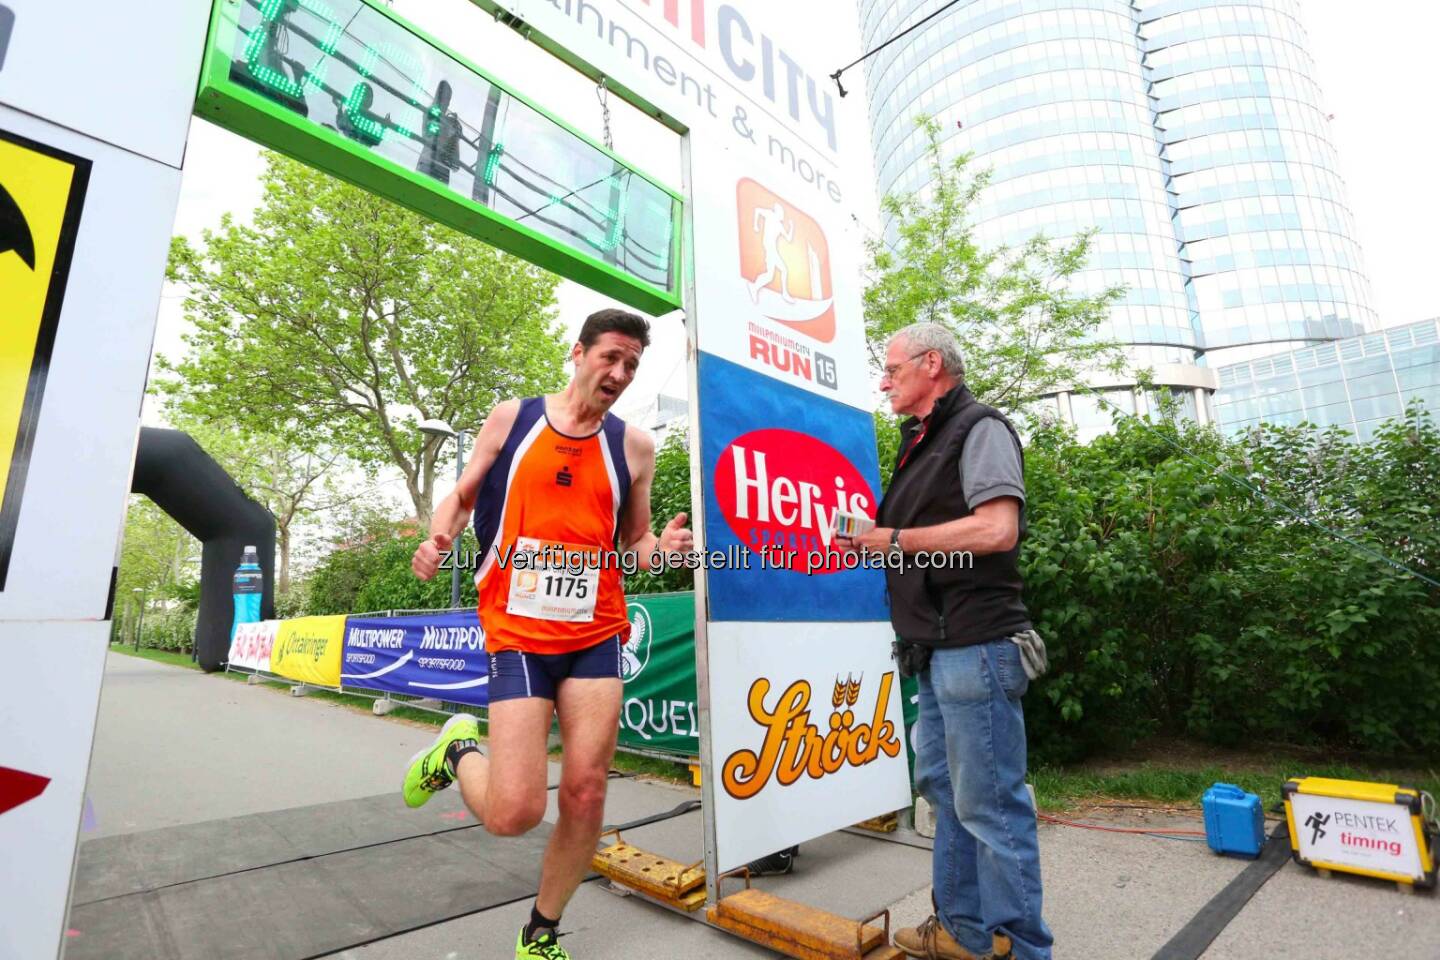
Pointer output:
x,y
42,191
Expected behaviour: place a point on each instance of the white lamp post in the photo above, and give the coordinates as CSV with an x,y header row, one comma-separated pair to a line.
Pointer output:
x,y
439,428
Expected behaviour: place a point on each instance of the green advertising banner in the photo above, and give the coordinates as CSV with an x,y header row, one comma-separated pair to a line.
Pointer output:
x,y
658,665
910,707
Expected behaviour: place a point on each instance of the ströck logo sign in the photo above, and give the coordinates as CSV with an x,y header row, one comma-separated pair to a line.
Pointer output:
x,y
779,490
794,746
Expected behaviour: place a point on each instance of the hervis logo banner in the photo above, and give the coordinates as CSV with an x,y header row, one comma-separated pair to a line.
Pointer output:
x,y
42,191
308,650
779,490
778,467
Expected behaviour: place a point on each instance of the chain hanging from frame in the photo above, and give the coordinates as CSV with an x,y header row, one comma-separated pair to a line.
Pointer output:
x,y
602,93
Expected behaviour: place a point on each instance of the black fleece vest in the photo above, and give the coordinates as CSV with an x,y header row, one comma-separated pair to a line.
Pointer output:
x,y
953,606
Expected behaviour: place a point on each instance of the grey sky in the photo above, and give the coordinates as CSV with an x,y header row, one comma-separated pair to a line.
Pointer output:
x,y
1376,68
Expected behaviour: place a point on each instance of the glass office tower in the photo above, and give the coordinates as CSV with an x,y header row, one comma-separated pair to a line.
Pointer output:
x,y
1189,132
1356,384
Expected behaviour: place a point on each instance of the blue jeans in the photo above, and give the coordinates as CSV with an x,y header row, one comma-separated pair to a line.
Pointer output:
x,y
970,765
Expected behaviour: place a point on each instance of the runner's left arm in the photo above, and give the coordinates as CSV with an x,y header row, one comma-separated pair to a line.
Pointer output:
x,y
635,533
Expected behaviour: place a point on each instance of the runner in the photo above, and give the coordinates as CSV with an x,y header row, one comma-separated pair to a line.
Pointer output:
x,y
771,226
550,473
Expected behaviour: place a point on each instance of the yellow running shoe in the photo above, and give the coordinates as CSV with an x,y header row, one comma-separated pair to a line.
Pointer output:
x,y
428,773
545,946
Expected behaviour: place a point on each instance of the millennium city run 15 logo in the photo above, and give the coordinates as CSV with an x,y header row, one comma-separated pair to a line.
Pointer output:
x,y
793,747
785,262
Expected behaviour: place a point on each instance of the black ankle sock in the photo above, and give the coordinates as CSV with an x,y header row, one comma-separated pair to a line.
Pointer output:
x,y
538,920
458,749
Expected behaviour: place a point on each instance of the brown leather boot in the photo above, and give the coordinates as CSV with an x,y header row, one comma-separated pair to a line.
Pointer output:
x,y
1000,947
931,941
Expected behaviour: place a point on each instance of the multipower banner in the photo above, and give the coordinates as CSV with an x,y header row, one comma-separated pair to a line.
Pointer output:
x,y
803,702
442,656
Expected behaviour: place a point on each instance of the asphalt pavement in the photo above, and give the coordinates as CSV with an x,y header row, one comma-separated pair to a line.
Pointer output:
x,y
175,746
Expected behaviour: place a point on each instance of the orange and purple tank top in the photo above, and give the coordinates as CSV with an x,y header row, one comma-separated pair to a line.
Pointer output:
x,y
566,493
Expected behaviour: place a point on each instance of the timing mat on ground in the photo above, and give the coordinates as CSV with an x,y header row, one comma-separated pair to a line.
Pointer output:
x,y
293,884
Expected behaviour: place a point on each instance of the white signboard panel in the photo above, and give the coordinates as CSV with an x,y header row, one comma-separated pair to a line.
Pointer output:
x,y
1356,833
47,716
140,62
250,648
77,478
808,743
778,274
87,230
737,73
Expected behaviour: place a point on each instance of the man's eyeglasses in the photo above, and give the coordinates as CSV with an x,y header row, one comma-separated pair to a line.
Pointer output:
x,y
891,370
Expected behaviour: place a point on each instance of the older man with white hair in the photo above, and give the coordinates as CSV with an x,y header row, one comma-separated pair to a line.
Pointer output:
x,y
959,488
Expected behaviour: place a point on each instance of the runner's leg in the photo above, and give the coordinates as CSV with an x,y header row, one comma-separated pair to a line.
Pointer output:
x,y
589,710
761,282
506,790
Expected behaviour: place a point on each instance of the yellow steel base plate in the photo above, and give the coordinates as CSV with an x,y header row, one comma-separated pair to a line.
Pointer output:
x,y
798,930
886,823
667,880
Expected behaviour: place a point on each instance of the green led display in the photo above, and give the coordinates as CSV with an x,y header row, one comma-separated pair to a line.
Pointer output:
x,y
353,89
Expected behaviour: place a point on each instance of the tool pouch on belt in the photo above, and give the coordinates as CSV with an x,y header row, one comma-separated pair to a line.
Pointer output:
x,y
910,657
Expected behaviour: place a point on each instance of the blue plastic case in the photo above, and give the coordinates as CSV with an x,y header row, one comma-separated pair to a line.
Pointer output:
x,y
1234,820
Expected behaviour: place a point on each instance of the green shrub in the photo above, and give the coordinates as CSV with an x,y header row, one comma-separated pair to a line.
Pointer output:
x,y
1174,599
168,629
669,495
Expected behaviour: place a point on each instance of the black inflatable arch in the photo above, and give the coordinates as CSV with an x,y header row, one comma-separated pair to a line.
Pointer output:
x,y
181,478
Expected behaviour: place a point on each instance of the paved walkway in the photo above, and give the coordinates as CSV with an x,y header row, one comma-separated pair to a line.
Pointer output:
x,y
175,746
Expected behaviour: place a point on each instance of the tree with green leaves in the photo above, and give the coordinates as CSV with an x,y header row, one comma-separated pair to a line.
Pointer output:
x,y
1023,331
297,485
669,495
157,555
340,320
159,571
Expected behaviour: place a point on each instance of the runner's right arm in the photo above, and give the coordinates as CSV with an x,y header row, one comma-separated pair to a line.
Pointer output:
x,y
453,513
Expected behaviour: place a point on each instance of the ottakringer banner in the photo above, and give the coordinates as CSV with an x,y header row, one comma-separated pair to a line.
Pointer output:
x,y
308,650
